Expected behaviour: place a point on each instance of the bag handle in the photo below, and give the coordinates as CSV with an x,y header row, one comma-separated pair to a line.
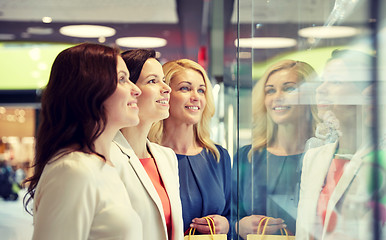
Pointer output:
x,y
210,222
266,219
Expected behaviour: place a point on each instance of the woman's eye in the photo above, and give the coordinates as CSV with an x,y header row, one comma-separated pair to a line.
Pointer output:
x,y
201,90
123,80
269,91
151,81
290,89
184,88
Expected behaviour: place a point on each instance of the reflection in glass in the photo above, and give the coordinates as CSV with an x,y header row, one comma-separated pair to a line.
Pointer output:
x,y
269,168
336,191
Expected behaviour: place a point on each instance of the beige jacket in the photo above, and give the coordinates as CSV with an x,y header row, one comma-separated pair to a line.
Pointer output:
x,y
143,195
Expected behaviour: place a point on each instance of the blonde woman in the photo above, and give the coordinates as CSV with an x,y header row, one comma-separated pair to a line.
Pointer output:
x,y
204,167
269,168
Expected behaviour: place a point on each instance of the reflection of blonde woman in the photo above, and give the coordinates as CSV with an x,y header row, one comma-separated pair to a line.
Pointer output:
x,y
204,168
270,166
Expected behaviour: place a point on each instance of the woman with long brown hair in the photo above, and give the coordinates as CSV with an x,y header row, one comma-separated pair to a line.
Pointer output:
x,y
76,190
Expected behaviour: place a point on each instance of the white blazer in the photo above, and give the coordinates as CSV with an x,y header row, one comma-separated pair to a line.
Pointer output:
x,y
144,197
348,198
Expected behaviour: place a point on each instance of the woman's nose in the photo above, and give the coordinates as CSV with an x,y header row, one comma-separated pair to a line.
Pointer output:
x,y
278,95
166,89
135,91
194,96
322,88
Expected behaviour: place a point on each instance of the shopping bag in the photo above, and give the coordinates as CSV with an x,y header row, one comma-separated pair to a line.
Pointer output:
x,y
212,236
263,236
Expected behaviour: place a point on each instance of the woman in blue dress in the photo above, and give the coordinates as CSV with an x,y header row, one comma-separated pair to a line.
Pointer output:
x,y
270,168
204,167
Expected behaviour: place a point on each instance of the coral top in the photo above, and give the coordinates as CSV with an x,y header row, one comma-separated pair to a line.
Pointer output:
x,y
152,171
334,174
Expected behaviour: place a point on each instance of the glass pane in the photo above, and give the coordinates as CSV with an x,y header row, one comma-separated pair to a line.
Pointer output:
x,y
311,147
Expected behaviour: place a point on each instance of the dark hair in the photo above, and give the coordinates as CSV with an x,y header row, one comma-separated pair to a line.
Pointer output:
x,y
72,112
135,59
352,57
359,64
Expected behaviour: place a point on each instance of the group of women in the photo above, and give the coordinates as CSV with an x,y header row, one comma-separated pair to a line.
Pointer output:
x,y
97,173
123,151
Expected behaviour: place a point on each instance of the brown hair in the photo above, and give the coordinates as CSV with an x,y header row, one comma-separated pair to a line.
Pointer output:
x,y
135,59
72,111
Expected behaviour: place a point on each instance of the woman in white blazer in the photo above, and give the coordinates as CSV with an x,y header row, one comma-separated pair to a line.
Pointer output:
x,y
76,191
350,211
152,178
335,195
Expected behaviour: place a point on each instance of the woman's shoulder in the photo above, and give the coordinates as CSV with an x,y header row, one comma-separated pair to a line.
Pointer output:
x,y
221,149
245,148
224,155
75,169
70,158
76,163
326,148
243,153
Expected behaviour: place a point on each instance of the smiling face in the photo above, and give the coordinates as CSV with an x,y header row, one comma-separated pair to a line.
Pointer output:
x,y
282,98
121,107
154,101
188,99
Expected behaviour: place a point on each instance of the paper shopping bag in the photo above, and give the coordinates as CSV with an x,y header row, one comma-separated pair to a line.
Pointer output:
x,y
263,236
211,236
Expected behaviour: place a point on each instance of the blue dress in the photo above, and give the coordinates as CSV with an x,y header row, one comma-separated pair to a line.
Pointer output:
x,y
269,186
205,185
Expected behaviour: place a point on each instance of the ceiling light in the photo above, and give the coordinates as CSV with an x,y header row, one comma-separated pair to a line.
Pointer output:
x,y
40,30
7,36
25,35
87,31
34,54
141,42
328,32
266,42
47,19
102,39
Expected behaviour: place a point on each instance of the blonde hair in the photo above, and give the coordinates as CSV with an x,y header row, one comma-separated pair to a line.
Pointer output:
x,y
201,129
263,127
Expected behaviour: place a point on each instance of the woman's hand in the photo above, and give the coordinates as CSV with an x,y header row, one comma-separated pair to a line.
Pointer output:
x,y
221,224
250,224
